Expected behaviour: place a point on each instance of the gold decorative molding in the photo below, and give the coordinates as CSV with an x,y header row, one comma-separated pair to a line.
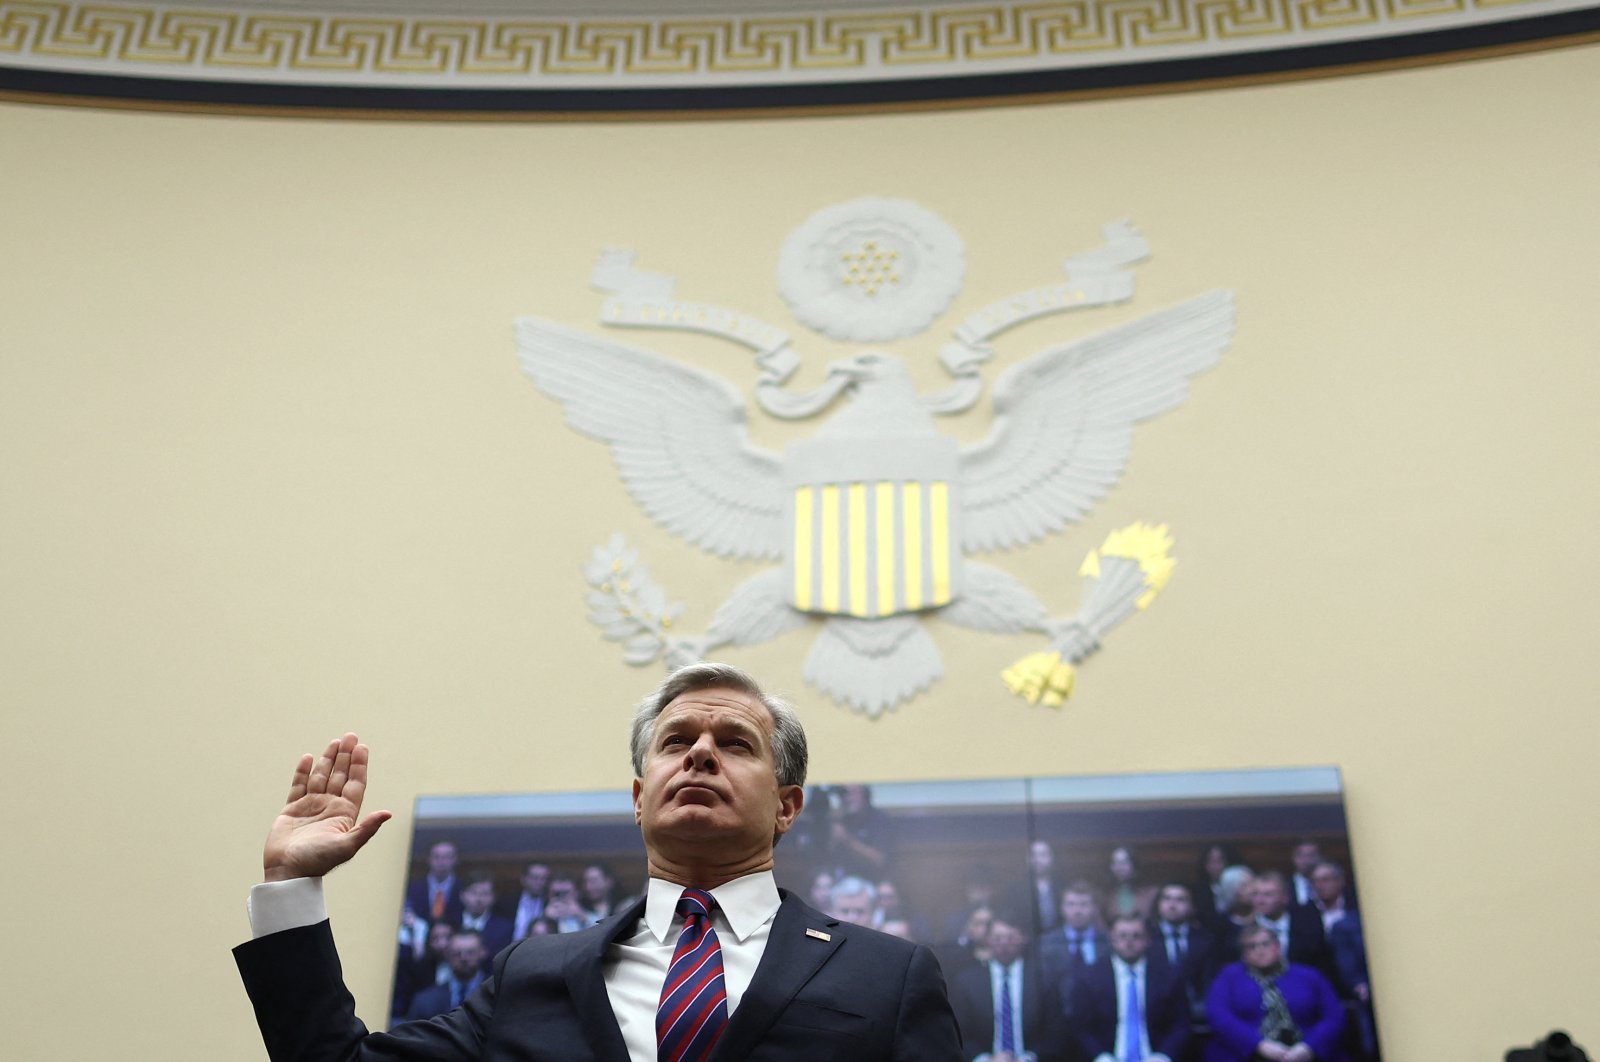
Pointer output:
x,y
514,52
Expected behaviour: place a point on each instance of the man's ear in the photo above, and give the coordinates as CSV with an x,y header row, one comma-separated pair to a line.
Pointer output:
x,y
638,805
791,798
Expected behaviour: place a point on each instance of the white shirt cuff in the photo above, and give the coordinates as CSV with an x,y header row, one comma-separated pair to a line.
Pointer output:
x,y
278,905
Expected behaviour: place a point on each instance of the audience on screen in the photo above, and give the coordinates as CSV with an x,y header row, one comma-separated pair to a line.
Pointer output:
x,y
1042,924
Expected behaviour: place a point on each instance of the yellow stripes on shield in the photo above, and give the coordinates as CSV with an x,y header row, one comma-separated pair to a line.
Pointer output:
x,y
872,548
804,502
830,548
939,540
858,549
883,495
911,499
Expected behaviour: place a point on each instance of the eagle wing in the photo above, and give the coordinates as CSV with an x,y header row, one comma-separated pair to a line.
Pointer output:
x,y
677,435
1064,420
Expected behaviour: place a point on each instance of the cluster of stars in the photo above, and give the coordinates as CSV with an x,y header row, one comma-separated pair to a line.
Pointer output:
x,y
870,268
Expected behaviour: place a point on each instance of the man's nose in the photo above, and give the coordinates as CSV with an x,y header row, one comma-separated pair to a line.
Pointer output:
x,y
703,753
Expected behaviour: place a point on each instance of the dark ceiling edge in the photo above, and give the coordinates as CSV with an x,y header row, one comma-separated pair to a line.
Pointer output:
x,y
1566,28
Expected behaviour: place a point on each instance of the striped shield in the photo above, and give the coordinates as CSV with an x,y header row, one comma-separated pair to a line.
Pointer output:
x,y
874,524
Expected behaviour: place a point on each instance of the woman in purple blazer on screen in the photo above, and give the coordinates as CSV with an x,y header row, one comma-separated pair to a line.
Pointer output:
x,y
1264,1008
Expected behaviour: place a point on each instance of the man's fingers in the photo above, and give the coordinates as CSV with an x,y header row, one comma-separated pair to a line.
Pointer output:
x,y
318,782
341,764
302,773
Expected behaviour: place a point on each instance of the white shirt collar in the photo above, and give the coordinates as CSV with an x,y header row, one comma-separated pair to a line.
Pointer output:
x,y
748,903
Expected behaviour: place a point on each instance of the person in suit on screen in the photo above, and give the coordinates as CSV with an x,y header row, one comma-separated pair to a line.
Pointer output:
x,y
719,768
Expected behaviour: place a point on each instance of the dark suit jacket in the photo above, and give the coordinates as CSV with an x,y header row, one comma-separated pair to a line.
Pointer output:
x,y
496,934
1349,948
1060,966
1308,943
435,999
971,995
1094,1011
417,900
858,996
1198,965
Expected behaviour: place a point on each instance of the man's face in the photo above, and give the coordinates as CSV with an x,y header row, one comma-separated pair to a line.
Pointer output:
x,y
1327,883
1121,865
439,938
596,883
977,927
536,879
1040,857
1128,940
1077,909
709,791
856,909
1269,898
1005,942
441,860
888,896
563,894
477,898
1305,856
465,955
1174,904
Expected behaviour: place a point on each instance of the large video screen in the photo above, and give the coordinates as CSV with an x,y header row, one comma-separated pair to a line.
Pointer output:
x,y
1199,858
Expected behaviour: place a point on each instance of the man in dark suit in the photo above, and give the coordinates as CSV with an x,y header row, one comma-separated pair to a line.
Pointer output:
x,y
465,955
1180,946
436,896
1042,890
1078,941
1122,1010
477,914
719,768
1004,1008
1298,928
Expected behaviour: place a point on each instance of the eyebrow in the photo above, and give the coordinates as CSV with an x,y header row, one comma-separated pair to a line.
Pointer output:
x,y
721,726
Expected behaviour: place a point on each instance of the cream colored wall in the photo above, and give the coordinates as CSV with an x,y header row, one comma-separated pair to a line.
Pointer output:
x,y
271,471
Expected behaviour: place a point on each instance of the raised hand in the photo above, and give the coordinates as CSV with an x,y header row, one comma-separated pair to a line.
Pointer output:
x,y
321,825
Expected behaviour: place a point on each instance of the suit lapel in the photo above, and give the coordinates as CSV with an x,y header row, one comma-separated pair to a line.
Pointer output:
x,y
790,960
587,985
1030,1001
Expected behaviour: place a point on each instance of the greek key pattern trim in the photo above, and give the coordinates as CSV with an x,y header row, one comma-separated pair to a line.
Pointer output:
x,y
866,43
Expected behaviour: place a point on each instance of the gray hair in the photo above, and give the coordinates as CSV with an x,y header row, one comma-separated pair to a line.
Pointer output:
x,y
853,886
1230,880
1331,865
789,756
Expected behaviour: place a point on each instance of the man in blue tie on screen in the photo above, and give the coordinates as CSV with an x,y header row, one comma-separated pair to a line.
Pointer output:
x,y
1004,1008
1123,1009
713,963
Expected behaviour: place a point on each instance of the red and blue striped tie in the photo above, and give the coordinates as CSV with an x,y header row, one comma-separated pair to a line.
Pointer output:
x,y
694,999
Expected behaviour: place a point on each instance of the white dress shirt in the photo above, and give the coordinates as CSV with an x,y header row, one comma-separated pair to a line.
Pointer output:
x,y
635,967
1279,927
1011,976
1119,975
529,910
